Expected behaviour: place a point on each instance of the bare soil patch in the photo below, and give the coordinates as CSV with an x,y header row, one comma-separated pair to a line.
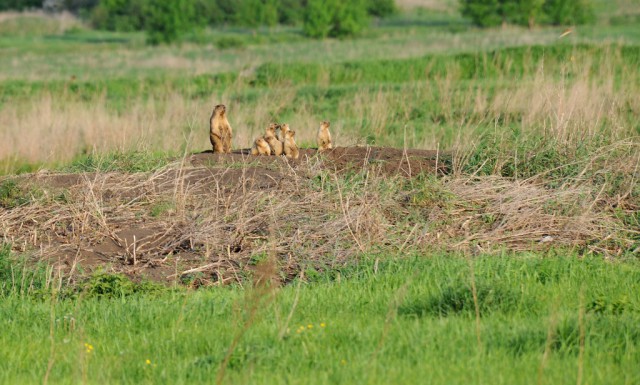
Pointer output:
x,y
390,161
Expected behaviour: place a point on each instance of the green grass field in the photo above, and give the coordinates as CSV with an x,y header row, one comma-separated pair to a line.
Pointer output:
x,y
542,319
431,279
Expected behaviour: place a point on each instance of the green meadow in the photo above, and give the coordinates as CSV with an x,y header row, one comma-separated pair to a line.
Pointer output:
x,y
442,319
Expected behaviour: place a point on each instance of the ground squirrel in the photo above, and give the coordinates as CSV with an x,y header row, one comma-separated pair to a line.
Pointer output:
x,y
219,130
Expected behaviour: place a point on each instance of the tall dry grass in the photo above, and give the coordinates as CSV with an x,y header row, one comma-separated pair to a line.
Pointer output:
x,y
577,103
53,129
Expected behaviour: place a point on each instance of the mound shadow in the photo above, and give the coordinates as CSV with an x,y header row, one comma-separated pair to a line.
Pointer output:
x,y
458,299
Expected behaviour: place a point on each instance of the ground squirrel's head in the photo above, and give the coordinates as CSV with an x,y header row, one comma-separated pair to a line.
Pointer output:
x,y
284,127
290,134
261,142
271,130
325,125
220,109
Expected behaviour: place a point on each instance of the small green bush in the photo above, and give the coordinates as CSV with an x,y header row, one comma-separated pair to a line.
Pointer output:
x,y
104,285
109,286
11,195
230,42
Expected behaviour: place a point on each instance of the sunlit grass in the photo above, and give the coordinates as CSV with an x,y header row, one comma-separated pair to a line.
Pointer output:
x,y
389,321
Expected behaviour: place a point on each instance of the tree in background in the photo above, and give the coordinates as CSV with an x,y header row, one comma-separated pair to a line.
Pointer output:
x,y
381,8
490,13
350,18
290,12
167,20
120,15
335,18
19,5
253,13
529,12
318,18
483,13
78,6
569,12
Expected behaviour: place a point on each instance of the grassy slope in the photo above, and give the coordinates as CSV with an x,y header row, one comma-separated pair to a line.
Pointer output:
x,y
411,321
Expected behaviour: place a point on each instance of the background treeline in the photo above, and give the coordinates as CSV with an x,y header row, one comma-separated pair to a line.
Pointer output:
x,y
489,13
166,20
19,5
341,16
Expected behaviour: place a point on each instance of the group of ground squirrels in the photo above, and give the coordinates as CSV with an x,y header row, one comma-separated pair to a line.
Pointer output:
x,y
278,139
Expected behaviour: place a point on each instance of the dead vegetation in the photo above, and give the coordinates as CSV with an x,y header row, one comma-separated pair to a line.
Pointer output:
x,y
525,215
211,225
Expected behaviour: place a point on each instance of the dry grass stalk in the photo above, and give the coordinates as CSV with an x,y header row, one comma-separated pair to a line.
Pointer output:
x,y
257,299
551,335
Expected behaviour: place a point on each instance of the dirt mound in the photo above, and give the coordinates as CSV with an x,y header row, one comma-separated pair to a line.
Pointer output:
x,y
207,217
390,161
212,218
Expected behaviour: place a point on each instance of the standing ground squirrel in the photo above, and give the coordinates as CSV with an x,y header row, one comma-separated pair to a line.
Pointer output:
x,y
290,146
220,131
276,145
324,136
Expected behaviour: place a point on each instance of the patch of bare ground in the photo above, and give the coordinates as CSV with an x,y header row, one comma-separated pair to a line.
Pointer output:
x,y
390,161
209,219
